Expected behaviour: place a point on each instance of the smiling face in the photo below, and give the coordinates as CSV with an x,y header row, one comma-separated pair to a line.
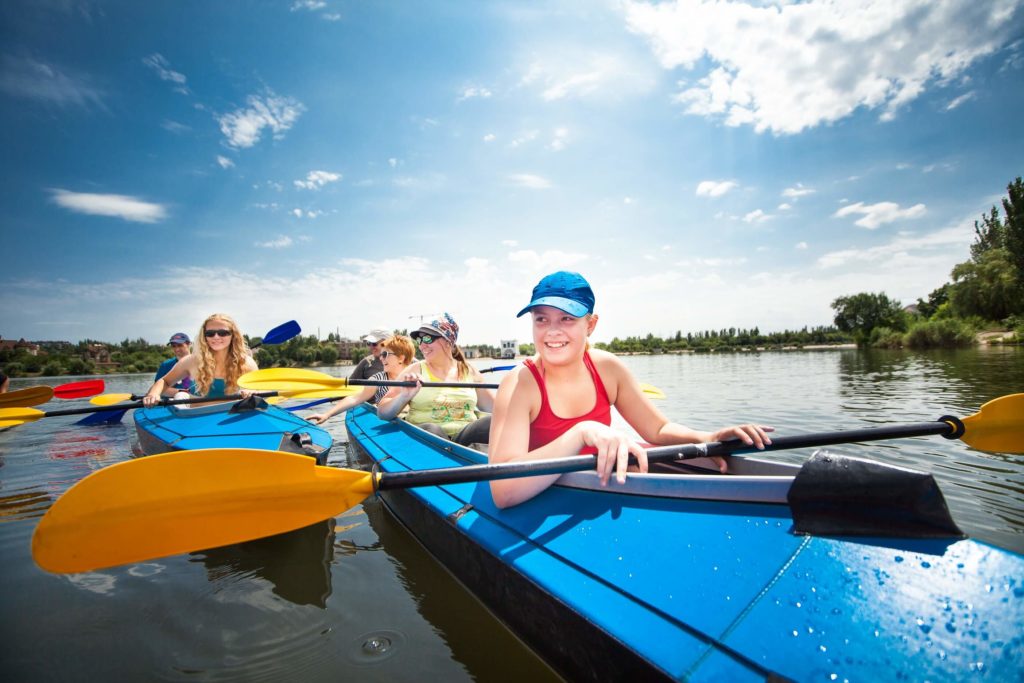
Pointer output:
x,y
558,336
180,349
214,334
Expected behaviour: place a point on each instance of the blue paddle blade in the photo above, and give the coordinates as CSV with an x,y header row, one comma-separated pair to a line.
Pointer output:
x,y
282,333
498,368
107,417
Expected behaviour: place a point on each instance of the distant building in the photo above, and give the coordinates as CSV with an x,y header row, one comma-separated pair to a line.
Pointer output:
x,y
508,348
20,345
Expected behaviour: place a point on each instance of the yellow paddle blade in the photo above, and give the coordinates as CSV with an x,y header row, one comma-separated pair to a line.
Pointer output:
x,y
12,417
289,380
110,399
23,398
652,391
998,426
187,501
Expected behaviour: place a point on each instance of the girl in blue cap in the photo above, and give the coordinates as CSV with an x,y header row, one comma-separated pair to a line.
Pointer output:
x,y
560,401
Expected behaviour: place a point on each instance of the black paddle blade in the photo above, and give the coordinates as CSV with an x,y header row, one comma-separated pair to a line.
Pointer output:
x,y
835,495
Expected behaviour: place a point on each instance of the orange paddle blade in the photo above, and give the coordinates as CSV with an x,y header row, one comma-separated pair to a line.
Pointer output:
x,y
186,501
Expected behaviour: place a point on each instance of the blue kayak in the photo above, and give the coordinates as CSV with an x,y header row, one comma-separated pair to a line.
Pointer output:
x,y
691,575
238,424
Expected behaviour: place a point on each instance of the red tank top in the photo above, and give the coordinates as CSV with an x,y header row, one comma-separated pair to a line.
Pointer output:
x,y
547,426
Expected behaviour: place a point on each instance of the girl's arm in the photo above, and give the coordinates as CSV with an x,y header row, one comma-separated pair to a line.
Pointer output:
x,y
484,397
180,369
365,394
655,428
392,404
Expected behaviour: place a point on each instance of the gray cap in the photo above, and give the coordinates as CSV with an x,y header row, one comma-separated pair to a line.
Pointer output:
x,y
375,336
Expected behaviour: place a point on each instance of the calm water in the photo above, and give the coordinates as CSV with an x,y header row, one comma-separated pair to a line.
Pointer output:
x,y
354,598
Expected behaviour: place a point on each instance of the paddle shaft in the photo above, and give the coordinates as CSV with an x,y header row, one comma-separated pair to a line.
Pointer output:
x,y
408,383
578,463
139,404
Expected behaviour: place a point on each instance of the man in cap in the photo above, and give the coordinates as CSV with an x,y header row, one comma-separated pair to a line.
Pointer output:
x,y
371,365
181,346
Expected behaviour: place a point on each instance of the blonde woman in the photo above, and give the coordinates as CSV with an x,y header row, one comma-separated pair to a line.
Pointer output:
x,y
450,412
396,352
219,358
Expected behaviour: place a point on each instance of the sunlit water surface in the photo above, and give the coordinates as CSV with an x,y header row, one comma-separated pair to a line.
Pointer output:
x,y
355,598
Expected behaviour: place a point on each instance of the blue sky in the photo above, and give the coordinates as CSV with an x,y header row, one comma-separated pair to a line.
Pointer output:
x,y
361,164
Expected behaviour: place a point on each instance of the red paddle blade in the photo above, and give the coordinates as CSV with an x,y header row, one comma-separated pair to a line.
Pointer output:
x,y
89,387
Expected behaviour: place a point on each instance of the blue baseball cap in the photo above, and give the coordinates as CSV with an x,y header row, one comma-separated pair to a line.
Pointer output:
x,y
179,338
566,291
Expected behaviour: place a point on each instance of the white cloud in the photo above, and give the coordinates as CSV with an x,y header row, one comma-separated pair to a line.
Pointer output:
x,y
281,242
310,5
785,67
317,179
162,67
24,77
393,162
489,137
470,92
224,161
559,139
876,215
756,216
116,205
714,188
538,264
797,192
941,244
569,72
800,245
957,101
510,243
174,127
528,180
244,127
785,207
526,136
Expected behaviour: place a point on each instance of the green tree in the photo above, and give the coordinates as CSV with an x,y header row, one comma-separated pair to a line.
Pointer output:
x,y
986,286
1013,229
860,313
935,299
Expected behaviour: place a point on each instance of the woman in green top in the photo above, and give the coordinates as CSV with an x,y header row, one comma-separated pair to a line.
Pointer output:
x,y
449,412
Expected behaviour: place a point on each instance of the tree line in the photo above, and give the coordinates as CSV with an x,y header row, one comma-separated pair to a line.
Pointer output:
x,y
983,292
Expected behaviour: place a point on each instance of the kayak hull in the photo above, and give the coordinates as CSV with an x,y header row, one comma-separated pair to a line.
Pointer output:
x,y
169,428
607,583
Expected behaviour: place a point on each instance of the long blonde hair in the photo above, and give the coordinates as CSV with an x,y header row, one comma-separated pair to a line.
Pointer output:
x,y
206,364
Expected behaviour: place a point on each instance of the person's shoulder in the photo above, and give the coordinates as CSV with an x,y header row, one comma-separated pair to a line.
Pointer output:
x,y
604,358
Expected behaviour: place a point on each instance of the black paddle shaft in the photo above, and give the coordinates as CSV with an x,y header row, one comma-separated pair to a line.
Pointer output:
x,y
137,403
950,427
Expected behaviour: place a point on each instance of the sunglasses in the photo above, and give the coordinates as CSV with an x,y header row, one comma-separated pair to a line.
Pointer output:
x,y
385,353
427,339
217,333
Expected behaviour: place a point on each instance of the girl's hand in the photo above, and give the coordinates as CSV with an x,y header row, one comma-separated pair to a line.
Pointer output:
x,y
150,400
613,450
749,434
317,418
408,392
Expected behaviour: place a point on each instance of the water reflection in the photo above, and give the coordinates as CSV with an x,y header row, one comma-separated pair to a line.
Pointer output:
x,y
297,564
482,644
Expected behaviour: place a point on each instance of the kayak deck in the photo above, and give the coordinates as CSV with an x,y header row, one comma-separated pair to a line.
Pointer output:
x,y
645,580
267,427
